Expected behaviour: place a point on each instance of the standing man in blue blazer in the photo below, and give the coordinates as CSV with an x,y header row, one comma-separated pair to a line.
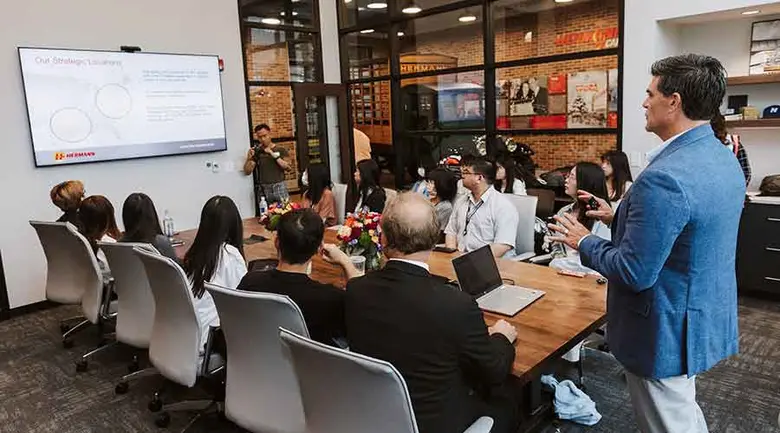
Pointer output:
x,y
672,302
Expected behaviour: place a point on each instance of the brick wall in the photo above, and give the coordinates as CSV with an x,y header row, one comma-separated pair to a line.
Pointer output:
x,y
553,151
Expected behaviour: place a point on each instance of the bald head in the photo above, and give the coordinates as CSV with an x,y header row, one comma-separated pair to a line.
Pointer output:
x,y
409,224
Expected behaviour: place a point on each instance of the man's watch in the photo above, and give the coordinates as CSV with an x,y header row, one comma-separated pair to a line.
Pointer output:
x,y
276,155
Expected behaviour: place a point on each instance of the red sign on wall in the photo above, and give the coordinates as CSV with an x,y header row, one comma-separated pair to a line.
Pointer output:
x,y
600,38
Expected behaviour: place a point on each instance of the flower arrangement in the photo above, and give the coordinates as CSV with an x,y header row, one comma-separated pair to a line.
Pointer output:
x,y
270,218
360,236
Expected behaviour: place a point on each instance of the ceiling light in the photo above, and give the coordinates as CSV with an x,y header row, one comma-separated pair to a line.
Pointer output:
x,y
296,1
563,1
295,14
347,1
467,18
753,12
367,31
400,34
377,5
411,9
271,21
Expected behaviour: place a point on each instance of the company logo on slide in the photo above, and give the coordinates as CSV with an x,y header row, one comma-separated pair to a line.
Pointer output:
x,y
62,156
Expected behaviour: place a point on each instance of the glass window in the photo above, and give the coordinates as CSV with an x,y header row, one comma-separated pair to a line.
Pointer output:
x,y
422,5
273,55
354,12
442,41
273,105
371,110
368,52
560,95
450,101
299,13
533,29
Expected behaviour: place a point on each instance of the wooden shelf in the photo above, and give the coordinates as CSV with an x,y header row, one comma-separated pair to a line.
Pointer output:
x,y
753,79
760,123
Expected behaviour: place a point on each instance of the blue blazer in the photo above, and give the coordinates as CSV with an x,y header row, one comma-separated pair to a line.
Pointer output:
x,y
672,299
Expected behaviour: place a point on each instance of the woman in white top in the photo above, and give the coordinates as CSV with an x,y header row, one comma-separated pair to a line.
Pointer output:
x,y
589,177
216,256
618,175
506,177
99,224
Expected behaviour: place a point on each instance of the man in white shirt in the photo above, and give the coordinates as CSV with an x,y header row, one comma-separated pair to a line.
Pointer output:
x,y
486,217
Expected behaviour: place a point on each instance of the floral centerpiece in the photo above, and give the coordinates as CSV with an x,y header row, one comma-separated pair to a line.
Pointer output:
x,y
360,236
270,218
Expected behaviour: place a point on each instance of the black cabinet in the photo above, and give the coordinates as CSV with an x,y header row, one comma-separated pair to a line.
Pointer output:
x,y
758,248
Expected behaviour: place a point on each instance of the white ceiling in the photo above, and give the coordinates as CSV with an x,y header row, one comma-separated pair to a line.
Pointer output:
x,y
734,14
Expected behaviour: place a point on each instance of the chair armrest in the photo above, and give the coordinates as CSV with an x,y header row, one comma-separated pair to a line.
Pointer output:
x,y
541,260
482,425
204,368
105,305
523,257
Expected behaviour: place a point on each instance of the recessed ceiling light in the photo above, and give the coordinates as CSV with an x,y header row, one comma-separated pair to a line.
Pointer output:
x,y
411,9
296,1
271,21
467,18
347,1
377,5
295,14
367,31
400,34
753,12
563,1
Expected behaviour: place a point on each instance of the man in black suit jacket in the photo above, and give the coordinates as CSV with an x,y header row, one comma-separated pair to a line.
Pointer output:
x,y
454,365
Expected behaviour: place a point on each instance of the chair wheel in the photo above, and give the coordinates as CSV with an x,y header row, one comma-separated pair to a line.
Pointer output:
x,y
122,388
67,343
81,366
64,328
155,405
163,420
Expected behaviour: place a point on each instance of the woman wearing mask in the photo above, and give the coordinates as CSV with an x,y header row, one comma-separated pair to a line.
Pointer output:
x,y
442,190
143,225
99,224
506,182
319,193
371,196
67,196
216,256
617,173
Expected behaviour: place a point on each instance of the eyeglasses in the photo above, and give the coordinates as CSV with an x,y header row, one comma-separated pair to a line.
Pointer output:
x,y
468,173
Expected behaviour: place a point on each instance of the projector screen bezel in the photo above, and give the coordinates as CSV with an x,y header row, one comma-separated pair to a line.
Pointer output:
x,y
123,53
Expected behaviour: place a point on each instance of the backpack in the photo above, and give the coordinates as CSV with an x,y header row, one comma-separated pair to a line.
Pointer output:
x,y
770,185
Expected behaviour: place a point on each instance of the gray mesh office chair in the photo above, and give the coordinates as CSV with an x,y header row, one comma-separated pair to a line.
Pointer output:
x,y
174,347
345,392
261,390
135,303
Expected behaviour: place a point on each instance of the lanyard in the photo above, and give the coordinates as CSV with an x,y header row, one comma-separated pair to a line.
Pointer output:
x,y
469,214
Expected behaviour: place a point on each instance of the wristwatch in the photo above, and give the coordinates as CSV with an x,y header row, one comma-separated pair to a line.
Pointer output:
x,y
276,155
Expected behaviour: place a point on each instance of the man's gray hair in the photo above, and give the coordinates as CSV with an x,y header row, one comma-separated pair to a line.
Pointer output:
x,y
409,224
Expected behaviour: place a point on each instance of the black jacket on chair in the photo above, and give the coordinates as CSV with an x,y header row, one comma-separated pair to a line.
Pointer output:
x,y
435,336
376,200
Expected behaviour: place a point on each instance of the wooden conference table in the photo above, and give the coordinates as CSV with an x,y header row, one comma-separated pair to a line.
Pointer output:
x,y
571,309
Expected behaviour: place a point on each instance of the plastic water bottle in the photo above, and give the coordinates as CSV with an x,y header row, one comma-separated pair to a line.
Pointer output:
x,y
263,206
168,228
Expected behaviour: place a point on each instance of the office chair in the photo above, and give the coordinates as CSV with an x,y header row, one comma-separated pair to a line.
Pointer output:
x,y
261,390
135,303
174,347
524,239
346,392
340,196
545,207
73,276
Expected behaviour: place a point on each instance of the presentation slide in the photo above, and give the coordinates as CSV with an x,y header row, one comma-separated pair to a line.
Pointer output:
x,y
89,106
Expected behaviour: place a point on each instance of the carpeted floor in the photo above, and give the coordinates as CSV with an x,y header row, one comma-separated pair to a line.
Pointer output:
x,y
41,392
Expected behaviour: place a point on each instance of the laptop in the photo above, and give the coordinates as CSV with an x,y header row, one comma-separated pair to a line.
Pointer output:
x,y
478,276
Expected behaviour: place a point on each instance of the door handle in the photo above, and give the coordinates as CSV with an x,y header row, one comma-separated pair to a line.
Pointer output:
x,y
774,250
774,220
776,280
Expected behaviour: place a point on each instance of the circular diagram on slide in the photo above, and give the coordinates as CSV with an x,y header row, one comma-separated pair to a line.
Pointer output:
x,y
70,125
114,101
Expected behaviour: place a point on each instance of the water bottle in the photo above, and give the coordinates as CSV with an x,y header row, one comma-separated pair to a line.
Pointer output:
x,y
168,229
263,206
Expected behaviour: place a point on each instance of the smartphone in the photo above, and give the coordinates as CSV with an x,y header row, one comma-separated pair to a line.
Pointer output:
x,y
593,204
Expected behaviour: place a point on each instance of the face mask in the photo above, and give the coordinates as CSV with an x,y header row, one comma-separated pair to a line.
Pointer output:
x,y
305,178
421,171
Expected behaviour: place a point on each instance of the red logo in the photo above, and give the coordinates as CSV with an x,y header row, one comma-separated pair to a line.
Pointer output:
x,y
61,156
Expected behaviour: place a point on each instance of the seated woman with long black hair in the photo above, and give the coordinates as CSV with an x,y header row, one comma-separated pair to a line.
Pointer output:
x,y
442,190
617,173
319,193
216,256
506,177
371,196
143,225
589,177
98,223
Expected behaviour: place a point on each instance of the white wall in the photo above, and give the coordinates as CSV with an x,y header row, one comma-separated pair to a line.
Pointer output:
x,y
648,38
762,145
181,184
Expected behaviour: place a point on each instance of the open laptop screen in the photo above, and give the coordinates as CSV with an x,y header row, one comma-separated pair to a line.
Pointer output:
x,y
477,271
